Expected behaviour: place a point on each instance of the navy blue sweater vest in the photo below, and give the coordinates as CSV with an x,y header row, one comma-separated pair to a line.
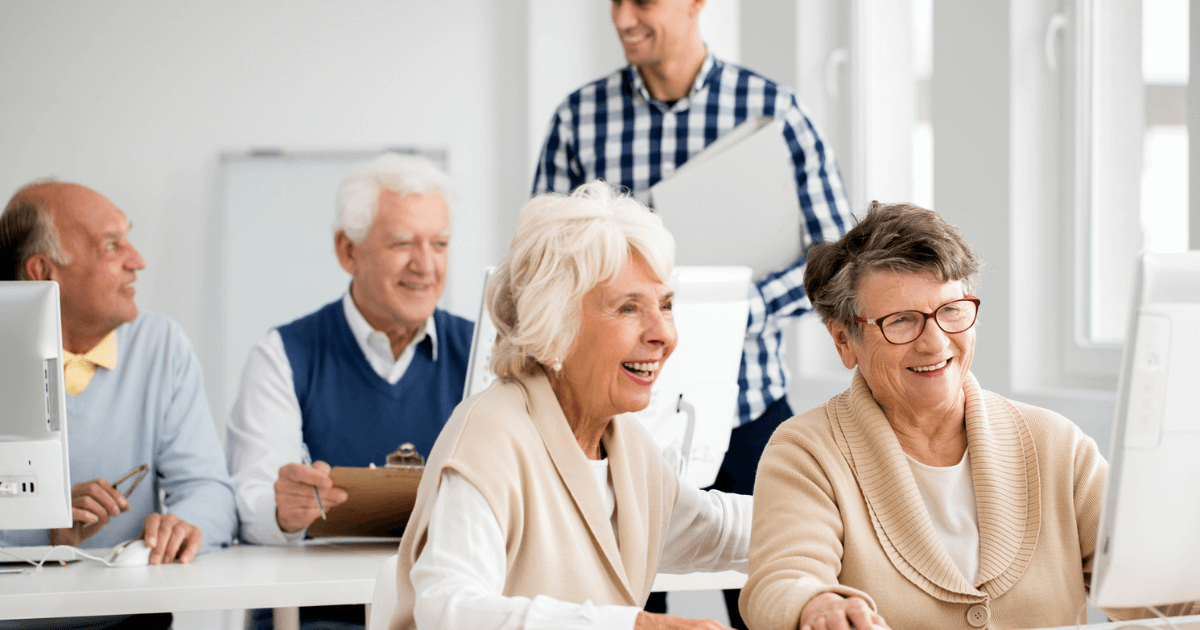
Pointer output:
x,y
351,416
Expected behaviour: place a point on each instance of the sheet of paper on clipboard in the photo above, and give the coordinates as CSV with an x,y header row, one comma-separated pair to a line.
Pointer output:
x,y
380,502
735,203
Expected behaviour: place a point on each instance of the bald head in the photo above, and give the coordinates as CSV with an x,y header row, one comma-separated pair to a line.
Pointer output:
x,y
75,236
27,229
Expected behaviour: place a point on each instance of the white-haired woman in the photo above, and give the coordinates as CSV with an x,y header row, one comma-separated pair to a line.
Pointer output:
x,y
542,505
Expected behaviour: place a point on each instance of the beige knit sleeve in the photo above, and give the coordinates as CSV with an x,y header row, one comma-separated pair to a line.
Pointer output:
x,y
796,538
1088,474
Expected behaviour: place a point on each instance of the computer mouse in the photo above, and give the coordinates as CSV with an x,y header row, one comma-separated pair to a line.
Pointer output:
x,y
131,553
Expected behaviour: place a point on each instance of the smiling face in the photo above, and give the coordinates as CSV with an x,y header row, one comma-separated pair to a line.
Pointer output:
x,y
399,269
655,31
97,285
919,379
625,336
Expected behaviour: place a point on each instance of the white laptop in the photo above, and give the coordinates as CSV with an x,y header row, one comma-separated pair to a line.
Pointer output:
x,y
735,202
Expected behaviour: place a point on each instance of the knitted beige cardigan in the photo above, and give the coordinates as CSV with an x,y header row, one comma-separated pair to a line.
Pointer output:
x,y
836,509
514,445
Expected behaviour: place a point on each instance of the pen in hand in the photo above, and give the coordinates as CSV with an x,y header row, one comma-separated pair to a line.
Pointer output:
x,y
320,506
306,459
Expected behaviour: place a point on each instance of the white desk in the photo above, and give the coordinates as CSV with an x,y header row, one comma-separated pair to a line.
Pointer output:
x,y
245,576
699,581
1191,622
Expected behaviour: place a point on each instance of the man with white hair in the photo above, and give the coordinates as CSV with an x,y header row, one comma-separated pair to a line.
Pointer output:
x,y
345,385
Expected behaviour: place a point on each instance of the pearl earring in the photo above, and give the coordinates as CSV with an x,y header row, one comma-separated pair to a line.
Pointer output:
x,y
557,365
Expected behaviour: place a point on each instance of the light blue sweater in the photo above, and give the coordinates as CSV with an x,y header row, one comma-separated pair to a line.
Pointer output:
x,y
151,410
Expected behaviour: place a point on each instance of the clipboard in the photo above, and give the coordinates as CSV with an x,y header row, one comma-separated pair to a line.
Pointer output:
x,y
381,500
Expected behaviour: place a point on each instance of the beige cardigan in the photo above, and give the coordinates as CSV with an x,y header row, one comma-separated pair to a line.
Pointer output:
x,y
836,509
513,443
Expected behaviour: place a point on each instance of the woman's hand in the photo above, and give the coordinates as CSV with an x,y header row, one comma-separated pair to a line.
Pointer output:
x,y
830,611
655,621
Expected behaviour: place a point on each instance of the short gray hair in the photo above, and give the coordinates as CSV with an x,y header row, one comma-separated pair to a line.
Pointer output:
x,y
27,230
891,237
565,246
358,194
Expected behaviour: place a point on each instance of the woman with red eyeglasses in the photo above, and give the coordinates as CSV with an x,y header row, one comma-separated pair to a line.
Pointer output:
x,y
916,498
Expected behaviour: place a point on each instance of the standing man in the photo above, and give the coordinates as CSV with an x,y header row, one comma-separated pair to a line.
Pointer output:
x,y
638,125
347,384
134,385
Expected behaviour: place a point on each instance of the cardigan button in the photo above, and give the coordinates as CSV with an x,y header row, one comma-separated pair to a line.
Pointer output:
x,y
978,615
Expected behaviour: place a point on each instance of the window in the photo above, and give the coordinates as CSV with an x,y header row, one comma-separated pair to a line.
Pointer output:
x,y
867,84
922,142
1138,166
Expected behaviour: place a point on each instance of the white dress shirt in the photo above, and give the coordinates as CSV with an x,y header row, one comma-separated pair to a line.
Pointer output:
x,y
264,431
458,579
949,495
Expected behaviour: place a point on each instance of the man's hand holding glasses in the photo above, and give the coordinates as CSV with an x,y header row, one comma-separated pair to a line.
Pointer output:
x,y
94,503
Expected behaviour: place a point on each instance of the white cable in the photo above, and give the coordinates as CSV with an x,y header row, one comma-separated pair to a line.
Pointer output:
x,y
1166,619
38,564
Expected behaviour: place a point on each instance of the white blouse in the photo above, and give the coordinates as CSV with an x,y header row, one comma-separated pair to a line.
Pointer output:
x,y
949,495
458,579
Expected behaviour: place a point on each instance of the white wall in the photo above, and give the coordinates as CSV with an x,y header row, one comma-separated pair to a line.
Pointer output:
x,y
560,63
138,98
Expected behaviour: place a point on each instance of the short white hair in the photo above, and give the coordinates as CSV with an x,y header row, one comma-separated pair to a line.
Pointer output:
x,y
565,246
358,194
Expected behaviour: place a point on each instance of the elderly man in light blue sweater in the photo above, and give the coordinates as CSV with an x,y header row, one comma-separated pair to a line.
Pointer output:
x,y
135,390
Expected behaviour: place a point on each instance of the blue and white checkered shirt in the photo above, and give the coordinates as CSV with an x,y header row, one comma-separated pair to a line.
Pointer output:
x,y
612,129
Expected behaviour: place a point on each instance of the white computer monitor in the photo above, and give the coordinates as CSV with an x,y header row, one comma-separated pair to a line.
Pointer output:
x,y
35,480
479,364
694,401
693,404
1148,546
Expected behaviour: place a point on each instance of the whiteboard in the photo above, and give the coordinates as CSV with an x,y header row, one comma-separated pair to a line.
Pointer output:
x,y
279,262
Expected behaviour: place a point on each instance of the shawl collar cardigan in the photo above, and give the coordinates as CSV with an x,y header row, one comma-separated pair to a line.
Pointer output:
x,y
513,443
836,509
1007,492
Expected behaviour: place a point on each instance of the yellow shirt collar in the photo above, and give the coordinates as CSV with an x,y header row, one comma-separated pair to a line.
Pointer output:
x,y
80,368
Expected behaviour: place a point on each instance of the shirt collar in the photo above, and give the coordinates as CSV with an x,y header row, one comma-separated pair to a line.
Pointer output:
x,y
362,330
708,70
104,354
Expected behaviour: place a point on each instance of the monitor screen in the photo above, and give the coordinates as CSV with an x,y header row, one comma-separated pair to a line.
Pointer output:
x,y
35,483
694,400
479,365
693,404
1148,546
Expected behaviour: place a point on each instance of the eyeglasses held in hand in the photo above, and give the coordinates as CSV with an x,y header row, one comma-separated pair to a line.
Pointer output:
x,y
137,474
